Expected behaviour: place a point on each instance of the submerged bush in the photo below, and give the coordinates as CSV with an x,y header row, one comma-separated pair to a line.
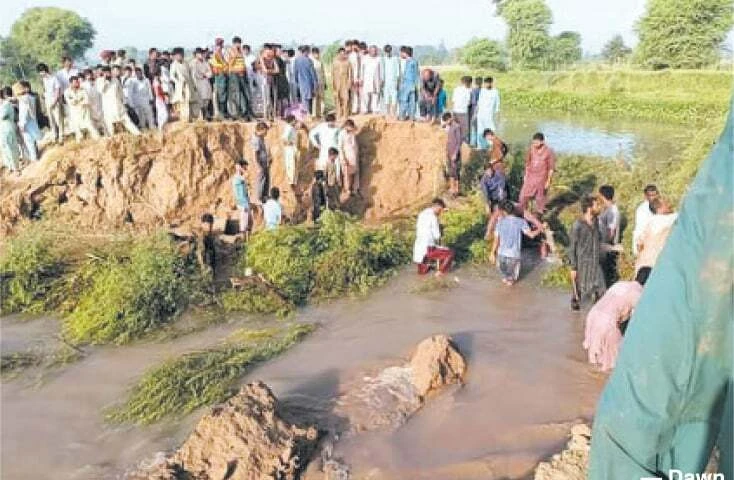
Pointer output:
x,y
29,268
341,256
181,385
133,294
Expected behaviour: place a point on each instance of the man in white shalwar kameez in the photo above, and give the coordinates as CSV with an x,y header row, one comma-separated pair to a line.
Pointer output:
x,y
325,136
53,98
354,60
185,97
488,107
80,113
113,105
142,98
95,100
371,81
390,69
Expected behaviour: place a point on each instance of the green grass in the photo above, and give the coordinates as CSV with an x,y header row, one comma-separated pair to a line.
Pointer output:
x,y
339,257
11,364
127,296
30,265
180,385
680,97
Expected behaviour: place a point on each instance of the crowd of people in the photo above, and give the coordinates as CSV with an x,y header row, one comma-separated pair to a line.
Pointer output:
x,y
594,239
220,83
233,82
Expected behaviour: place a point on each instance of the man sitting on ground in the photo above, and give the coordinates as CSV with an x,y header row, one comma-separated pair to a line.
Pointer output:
x,y
272,210
427,236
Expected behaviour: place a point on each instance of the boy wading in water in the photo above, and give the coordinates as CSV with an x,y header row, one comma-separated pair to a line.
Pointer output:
x,y
507,247
242,196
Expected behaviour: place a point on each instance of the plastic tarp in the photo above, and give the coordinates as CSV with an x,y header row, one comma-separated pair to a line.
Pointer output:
x,y
669,399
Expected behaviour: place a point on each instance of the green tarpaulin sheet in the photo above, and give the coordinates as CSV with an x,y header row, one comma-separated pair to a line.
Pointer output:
x,y
669,399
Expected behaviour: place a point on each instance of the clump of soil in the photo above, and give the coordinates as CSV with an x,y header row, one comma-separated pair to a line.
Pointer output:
x,y
572,463
241,439
387,400
436,363
154,180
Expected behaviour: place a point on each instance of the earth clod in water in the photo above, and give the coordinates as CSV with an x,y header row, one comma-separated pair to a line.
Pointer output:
x,y
571,463
241,439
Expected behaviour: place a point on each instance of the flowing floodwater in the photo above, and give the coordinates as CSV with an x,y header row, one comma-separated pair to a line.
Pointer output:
x,y
609,138
527,380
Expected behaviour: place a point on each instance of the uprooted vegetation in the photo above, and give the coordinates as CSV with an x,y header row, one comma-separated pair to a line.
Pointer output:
x,y
114,292
29,269
133,294
180,385
339,257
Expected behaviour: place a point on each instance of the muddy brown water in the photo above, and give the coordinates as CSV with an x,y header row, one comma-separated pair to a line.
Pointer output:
x,y
527,380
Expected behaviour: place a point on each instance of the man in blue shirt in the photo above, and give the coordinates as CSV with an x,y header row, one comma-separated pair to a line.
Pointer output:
x,y
241,195
507,247
305,77
493,186
410,80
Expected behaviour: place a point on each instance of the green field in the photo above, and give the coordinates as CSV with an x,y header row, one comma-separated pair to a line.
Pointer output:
x,y
683,96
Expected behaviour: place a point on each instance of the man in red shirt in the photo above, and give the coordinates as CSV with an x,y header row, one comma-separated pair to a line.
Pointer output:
x,y
540,163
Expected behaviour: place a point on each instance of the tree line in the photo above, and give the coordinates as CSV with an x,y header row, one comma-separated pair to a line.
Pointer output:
x,y
672,34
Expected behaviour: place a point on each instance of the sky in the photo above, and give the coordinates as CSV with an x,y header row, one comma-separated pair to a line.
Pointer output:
x,y
168,23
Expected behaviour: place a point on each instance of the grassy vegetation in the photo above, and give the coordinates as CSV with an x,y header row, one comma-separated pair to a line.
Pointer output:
x,y
340,257
133,294
30,266
13,363
681,97
183,384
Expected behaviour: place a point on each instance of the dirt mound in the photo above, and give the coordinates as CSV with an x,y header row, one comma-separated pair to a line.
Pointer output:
x,y
435,364
155,180
572,463
395,393
242,439
386,401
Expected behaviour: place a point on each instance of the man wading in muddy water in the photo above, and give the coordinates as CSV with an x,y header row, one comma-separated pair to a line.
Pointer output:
x,y
427,236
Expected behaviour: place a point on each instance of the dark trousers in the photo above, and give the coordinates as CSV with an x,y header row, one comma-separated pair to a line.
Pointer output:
x,y
220,85
241,90
610,268
444,256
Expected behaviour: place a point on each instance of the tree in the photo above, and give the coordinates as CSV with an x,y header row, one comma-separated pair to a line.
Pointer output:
x,y
615,51
45,34
527,38
565,49
14,63
483,53
682,33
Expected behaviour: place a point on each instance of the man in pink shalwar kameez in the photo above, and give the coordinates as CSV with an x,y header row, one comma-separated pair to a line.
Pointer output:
x,y
603,336
540,163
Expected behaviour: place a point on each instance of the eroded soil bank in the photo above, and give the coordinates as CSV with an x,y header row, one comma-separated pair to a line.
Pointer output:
x,y
527,381
148,181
